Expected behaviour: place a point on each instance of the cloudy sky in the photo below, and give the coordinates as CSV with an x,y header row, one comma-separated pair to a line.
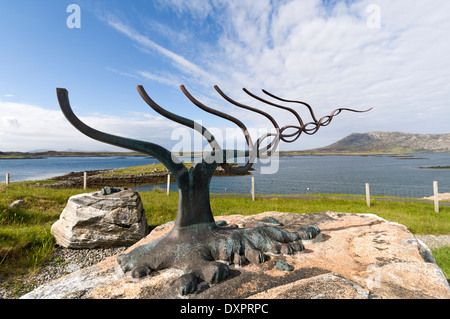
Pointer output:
x,y
391,55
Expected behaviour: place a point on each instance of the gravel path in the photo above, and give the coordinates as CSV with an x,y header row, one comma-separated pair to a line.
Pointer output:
x,y
435,241
64,261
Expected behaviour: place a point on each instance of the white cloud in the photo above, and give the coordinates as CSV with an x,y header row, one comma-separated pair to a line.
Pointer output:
x,y
170,34
335,60
168,79
25,127
328,57
179,61
199,9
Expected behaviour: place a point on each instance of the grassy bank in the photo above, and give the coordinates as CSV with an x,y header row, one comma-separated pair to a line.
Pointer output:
x,y
25,239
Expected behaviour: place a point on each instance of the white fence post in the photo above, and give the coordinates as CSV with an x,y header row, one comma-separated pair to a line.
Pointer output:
x,y
368,194
168,184
253,188
436,196
85,180
7,179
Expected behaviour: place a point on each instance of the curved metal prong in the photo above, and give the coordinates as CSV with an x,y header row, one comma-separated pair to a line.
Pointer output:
x,y
299,119
274,123
226,166
271,119
324,121
292,101
179,119
176,168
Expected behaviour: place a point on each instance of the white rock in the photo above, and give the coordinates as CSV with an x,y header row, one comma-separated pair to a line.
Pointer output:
x,y
16,203
94,220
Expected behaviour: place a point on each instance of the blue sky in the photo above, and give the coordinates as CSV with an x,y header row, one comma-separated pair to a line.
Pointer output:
x,y
390,55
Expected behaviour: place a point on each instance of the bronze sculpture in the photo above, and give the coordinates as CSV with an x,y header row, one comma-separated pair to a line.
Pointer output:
x,y
196,243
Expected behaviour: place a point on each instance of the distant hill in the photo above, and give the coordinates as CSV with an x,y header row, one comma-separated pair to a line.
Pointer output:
x,y
389,142
26,155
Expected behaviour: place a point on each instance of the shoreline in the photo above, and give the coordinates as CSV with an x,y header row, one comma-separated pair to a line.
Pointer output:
x,y
43,155
101,178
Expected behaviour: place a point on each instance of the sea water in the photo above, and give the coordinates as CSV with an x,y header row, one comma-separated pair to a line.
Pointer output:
x,y
307,174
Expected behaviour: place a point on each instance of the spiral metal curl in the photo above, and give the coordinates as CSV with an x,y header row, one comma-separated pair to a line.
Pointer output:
x,y
175,166
309,128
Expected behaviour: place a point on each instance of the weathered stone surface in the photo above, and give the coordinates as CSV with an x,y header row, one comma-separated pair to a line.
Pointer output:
x,y
94,220
357,257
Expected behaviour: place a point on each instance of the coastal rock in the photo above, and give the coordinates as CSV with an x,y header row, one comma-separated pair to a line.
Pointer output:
x,y
358,256
441,196
93,220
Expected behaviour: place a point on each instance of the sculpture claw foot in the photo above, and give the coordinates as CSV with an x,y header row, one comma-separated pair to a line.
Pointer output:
x,y
187,284
195,250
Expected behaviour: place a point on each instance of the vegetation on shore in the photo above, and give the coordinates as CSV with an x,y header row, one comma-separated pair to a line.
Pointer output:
x,y
371,143
398,152
27,155
150,174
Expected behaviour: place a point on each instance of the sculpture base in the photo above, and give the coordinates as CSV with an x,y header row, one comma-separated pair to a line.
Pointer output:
x,y
359,257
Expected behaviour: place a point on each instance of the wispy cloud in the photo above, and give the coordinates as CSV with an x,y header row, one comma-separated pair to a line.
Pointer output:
x,y
198,9
127,74
19,130
170,34
327,55
179,61
161,79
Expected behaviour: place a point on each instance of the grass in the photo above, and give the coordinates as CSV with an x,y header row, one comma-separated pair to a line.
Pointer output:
x,y
156,168
25,238
26,241
419,218
153,169
442,256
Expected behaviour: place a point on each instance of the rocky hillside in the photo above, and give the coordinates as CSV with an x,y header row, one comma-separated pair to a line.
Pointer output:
x,y
391,142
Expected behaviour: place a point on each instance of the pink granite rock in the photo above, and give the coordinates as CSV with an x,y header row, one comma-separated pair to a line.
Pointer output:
x,y
356,256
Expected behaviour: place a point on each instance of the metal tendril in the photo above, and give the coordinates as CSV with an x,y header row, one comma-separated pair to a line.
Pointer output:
x,y
309,128
254,150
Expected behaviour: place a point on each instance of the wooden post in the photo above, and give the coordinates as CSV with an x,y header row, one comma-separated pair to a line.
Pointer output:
x,y
168,184
436,196
85,180
368,194
253,188
7,179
